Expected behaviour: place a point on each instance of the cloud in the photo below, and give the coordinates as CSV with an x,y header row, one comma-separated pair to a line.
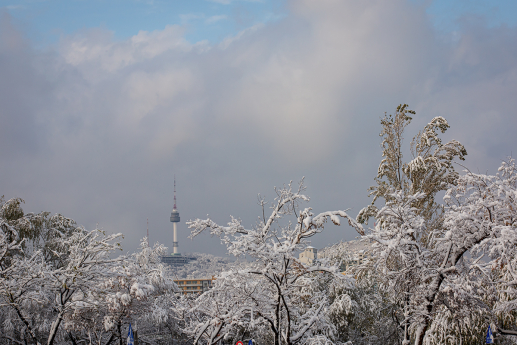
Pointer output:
x,y
188,17
97,128
228,2
23,90
15,7
215,19
96,48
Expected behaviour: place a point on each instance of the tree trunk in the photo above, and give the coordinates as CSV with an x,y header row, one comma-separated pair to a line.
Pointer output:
x,y
55,327
110,339
119,330
72,338
406,340
277,331
27,324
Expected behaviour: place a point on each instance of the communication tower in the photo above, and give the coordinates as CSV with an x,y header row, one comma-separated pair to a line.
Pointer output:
x,y
175,259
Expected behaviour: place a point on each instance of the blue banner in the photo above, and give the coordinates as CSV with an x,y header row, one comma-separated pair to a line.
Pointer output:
x,y
130,337
489,336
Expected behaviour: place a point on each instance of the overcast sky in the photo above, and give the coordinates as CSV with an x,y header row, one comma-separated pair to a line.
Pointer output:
x,y
103,102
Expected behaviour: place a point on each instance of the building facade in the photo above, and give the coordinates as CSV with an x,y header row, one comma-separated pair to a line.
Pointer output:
x,y
309,255
194,285
350,253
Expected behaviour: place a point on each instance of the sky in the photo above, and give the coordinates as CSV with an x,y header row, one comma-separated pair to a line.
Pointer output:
x,y
103,102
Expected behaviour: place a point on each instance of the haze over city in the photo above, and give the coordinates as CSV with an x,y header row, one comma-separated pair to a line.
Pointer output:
x,y
103,102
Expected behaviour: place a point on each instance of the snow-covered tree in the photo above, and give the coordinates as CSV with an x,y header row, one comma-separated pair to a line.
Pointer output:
x,y
126,294
463,270
482,220
20,281
276,290
406,227
84,265
429,171
369,316
48,262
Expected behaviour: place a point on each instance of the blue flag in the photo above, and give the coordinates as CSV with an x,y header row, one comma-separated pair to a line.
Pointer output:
x,y
130,337
489,336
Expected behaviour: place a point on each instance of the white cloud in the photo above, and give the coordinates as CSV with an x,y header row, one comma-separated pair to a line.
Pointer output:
x,y
97,49
16,7
227,41
215,19
227,2
188,17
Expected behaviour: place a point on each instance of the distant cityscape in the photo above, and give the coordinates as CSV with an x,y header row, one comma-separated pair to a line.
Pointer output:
x,y
348,254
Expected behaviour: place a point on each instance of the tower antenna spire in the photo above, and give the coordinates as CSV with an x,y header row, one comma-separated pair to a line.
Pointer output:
x,y
175,192
147,231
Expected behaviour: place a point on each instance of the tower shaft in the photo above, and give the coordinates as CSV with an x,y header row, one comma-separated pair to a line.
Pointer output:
x,y
175,218
175,239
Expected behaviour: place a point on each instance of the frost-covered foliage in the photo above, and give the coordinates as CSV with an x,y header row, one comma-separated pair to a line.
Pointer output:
x,y
60,284
365,315
456,279
127,294
48,264
482,218
133,281
407,228
429,171
276,297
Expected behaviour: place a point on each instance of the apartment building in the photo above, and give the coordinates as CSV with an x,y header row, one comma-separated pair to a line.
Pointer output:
x,y
194,285
350,253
